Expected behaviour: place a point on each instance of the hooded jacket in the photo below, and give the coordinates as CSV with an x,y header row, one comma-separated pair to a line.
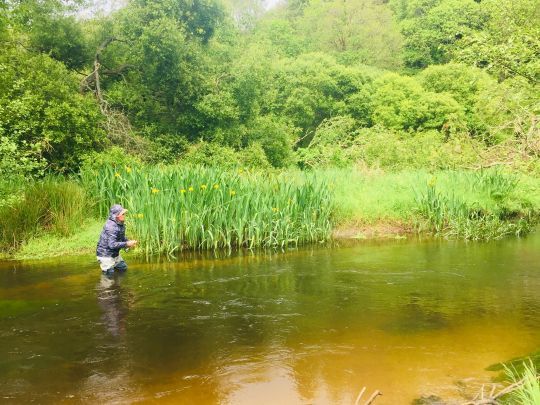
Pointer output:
x,y
113,235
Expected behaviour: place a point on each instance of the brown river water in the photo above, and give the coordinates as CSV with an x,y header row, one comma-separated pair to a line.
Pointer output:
x,y
306,326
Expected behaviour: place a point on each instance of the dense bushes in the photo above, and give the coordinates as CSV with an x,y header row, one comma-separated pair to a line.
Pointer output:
x,y
42,115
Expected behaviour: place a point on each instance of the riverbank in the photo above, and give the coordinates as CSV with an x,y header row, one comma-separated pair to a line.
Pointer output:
x,y
290,208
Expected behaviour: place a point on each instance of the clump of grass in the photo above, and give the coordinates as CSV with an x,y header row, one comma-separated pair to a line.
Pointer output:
x,y
51,205
182,207
481,209
528,392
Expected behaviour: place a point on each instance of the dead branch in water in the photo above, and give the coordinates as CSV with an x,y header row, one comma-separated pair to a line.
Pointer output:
x,y
370,400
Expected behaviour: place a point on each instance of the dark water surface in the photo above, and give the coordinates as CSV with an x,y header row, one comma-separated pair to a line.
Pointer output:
x,y
307,326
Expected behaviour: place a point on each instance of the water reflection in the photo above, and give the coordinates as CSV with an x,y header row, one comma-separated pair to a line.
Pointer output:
x,y
114,303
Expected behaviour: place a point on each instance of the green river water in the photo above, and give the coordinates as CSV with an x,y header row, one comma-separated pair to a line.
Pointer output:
x,y
307,326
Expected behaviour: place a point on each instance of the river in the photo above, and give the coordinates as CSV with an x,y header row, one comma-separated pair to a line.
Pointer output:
x,y
306,326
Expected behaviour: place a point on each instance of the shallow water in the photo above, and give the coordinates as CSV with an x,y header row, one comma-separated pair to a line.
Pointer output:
x,y
408,318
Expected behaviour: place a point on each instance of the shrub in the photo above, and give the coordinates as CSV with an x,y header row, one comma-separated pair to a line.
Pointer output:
x,y
114,156
211,155
401,103
332,145
275,137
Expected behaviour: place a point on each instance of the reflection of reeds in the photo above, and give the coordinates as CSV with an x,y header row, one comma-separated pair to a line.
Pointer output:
x,y
54,205
177,207
450,215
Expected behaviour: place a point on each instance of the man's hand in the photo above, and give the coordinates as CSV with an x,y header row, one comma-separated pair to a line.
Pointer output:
x,y
131,243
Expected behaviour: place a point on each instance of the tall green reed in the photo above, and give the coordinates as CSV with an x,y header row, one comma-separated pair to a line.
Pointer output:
x,y
481,213
51,205
172,208
528,393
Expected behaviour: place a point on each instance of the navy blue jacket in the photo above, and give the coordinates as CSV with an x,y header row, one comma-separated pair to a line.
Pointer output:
x,y
113,235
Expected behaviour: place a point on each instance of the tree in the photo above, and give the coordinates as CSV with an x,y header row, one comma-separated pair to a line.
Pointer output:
x,y
509,45
401,103
49,27
355,31
43,114
432,27
467,85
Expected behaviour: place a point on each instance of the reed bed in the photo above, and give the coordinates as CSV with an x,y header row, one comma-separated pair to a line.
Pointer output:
x,y
53,205
479,206
172,208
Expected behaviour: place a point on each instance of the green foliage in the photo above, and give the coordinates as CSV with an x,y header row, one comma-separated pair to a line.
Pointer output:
x,y
20,160
432,27
49,27
211,155
332,145
489,215
314,87
390,150
509,43
528,393
467,85
303,83
355,31
52,245
51,205
401,103
254,156
174,208
275,137
114,157
42,112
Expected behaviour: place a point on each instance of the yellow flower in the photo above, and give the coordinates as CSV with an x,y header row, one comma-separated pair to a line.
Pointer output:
x,y
117,175
182,190
155,190
432,181
216,186
203,186
190,188
232,192
240,171
128,169
275,209
140,215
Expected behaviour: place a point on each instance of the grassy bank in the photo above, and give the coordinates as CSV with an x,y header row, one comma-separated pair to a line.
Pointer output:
x,y
174,207
476,205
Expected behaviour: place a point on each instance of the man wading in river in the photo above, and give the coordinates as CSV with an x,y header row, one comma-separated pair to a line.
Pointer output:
x,y
111,240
